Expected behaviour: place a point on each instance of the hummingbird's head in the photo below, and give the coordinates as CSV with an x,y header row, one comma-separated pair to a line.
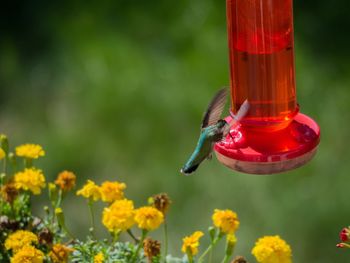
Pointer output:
x,y
221,123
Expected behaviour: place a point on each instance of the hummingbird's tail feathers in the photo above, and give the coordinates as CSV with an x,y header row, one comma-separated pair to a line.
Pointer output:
x,y
188,171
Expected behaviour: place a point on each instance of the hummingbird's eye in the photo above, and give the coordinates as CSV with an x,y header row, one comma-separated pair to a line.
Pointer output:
x,y
221,123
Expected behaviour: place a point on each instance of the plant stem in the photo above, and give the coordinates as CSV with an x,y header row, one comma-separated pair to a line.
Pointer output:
x,y
165,240
132,236
68,232
226,259
59,199
92,217
28,162
211,246
115,236
139,245
189,257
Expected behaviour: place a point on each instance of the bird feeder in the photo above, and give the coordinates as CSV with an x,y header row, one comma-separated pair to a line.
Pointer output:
x,y
274,136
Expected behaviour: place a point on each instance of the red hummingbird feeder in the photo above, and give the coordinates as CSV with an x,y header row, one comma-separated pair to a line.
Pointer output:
x,y
274,136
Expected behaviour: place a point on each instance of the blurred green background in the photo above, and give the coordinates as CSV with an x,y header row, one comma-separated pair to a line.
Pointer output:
x,y
116,90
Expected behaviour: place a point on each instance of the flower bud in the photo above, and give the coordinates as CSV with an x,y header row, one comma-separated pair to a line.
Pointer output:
x,y
344,234
4,143
211,231
231,241
60,216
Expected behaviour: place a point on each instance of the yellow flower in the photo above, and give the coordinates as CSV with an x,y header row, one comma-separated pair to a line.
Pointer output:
x,y
66,180
30,179
191,243
90,190
119,216
60,253
226,220
2,154
32,151
99,258
20,239
272,249
148,218
112,191
28,254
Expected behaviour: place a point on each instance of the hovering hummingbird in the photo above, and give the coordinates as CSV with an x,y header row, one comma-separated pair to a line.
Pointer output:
x,y
213,129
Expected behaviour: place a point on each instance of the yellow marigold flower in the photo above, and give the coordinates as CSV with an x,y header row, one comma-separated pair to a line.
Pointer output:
x,y
112,191
30,179
99,258
90,190
60,253
2,154
119,216
32,151
28,254
225,220
191,243
272,249
20,239
148,218
66,180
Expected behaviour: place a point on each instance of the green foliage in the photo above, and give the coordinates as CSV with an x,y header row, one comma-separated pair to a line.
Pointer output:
x,y
85,251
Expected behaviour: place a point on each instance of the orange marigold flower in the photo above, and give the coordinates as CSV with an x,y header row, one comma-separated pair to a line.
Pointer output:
x,y
226,220
112,191
60,253
66,180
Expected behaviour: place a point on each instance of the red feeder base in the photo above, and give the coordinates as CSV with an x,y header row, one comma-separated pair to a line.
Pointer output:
x,y
267,152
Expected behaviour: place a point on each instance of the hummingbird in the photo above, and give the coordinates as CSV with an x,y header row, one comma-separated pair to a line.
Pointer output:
x,y
213,129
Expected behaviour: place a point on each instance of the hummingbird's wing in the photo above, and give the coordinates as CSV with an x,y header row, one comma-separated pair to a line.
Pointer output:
x,y
215,108
241,113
